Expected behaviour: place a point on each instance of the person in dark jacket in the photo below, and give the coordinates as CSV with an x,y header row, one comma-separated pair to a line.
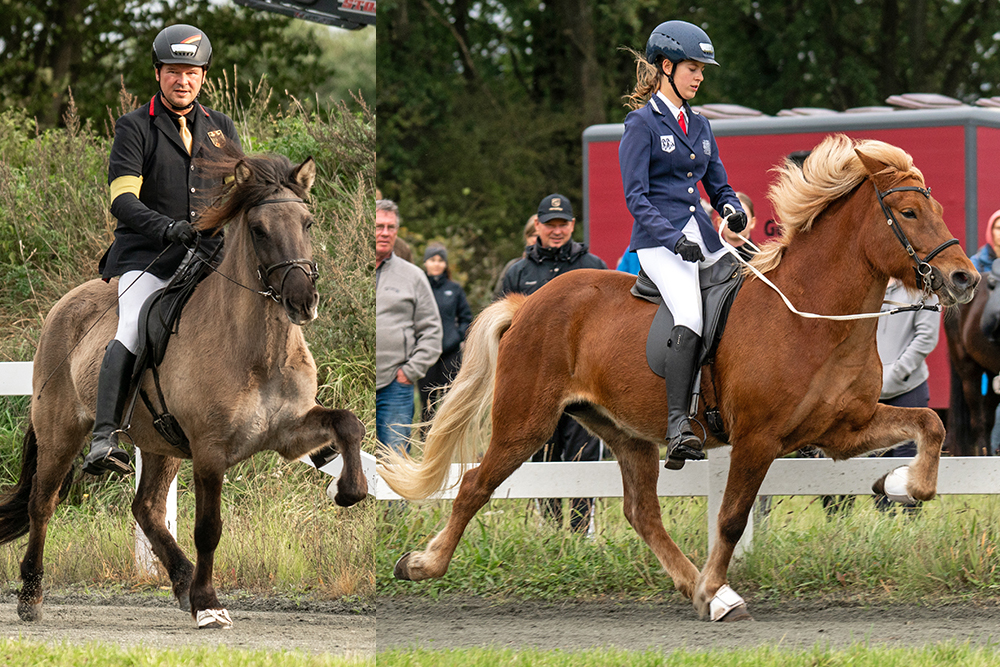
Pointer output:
x,y
456,316
156,191
553,254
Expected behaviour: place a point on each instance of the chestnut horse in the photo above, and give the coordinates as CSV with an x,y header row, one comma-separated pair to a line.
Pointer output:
x,y
779,380
970,354
237,375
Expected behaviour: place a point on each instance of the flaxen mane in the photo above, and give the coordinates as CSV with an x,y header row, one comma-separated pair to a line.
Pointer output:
x,y
832,170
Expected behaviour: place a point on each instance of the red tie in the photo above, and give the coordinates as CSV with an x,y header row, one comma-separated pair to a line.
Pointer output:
x,y
682,122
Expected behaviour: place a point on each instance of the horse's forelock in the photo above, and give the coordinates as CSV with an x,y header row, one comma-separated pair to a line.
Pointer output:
x,y
268,174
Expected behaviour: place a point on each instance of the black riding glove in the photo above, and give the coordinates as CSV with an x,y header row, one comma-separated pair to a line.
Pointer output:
x,y
735,220
180,231
689,251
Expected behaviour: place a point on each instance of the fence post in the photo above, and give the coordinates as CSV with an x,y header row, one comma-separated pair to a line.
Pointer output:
x,y
145,560
718,473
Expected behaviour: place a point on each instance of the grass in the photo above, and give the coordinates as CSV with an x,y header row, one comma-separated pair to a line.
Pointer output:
x,y
946,551
18,653
950,654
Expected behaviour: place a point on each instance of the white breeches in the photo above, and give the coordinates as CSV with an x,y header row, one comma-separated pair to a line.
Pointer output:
x,y
678,280
134,287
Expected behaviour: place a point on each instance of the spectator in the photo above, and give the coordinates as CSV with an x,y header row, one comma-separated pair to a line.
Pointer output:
x,y
553,254
983,260
530,235
904,341
665,151
629,262
408,331
456,316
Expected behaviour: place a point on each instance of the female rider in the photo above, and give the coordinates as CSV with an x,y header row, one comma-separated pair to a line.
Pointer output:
x,y
665,150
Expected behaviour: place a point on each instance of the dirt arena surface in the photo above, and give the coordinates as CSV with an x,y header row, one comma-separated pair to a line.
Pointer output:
x,y
258,624
469,622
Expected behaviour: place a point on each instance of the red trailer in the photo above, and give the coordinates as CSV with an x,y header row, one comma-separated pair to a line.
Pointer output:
x,y
957,149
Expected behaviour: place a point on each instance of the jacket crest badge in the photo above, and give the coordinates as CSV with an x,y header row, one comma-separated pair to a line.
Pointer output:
x,y
217,137
667,143
706,147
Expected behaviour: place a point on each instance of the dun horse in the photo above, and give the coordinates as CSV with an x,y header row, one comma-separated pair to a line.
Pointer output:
x,y
780,381
237,375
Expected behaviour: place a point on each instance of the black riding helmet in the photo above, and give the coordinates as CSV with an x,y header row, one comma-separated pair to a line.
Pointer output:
x,y
677,41
182,44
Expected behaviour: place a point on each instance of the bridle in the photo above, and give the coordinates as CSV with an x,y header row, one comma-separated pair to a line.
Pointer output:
x,y
264,273
923,268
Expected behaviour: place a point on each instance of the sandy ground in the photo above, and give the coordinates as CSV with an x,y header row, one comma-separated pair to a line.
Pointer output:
x,y
258,623
463,623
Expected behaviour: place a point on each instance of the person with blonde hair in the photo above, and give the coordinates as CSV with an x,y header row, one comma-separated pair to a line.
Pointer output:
x,y
665,150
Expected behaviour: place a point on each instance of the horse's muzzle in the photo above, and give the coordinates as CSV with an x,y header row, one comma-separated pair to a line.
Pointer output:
x,y
959,286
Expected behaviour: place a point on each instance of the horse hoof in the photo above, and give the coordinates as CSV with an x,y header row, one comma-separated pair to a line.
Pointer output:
x,y
214,619
739,613
29,612
402,570
878,487
184,602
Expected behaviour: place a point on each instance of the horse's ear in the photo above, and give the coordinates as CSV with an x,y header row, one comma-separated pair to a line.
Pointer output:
x,y
305,174
242,172
873,166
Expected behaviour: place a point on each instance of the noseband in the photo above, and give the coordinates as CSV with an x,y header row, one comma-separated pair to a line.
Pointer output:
x,y
923,268
264,273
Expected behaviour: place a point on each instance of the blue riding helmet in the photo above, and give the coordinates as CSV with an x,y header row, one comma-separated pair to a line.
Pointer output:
x,y
677,41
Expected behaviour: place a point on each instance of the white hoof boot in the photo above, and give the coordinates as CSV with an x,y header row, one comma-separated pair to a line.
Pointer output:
x,y
725,600
214,618
895,485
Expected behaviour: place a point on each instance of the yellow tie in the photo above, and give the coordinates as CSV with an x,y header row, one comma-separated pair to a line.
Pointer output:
x,y
185,134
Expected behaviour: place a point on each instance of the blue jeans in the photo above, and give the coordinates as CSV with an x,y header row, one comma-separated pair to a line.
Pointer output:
x,y
394,414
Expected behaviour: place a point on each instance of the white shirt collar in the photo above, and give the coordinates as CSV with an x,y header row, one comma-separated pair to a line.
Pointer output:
x,y
675,110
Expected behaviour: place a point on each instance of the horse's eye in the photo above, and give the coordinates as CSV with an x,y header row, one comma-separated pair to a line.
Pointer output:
x,y
259,234
309,224
910,213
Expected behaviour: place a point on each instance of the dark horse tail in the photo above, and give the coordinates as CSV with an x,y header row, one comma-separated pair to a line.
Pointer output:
x,y
14,518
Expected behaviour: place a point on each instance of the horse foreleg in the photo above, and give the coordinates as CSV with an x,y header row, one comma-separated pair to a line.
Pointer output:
x,y
888,427
713,598
323,429
149,509
205,607
639,464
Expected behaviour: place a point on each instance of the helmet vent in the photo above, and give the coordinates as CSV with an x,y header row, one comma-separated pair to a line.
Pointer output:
x,y
184,50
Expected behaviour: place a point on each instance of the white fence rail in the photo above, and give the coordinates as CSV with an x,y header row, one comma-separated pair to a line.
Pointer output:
x,y
15,380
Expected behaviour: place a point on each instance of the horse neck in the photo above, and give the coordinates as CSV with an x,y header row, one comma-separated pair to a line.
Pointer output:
x,y
828,265
254,327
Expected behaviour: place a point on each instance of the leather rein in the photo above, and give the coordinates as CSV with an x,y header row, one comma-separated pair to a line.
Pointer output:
x,y
307,266
922,267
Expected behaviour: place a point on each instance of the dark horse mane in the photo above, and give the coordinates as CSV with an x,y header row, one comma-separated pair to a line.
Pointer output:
x,y
260,177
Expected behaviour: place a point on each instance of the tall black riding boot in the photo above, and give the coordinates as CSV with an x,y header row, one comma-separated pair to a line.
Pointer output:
x,y
112,392
682,443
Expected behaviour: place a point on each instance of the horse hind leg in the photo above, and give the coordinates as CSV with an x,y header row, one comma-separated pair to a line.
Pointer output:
x,y
149,510
517,434
53,473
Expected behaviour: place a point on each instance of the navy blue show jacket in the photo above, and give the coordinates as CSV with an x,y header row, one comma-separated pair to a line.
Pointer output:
x,y
661,167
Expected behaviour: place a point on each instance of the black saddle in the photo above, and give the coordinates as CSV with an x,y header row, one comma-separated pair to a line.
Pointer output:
x,y
159,319
719,284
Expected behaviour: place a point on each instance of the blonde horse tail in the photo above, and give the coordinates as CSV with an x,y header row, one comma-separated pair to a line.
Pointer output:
x,y
462,421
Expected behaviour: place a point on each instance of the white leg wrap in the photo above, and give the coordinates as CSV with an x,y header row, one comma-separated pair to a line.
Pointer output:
x,y
725,600
214,618
895,485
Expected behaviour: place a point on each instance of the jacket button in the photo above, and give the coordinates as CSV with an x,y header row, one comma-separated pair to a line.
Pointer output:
x,y
192,189
691,208
690,190
690,174
192,167
692,156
